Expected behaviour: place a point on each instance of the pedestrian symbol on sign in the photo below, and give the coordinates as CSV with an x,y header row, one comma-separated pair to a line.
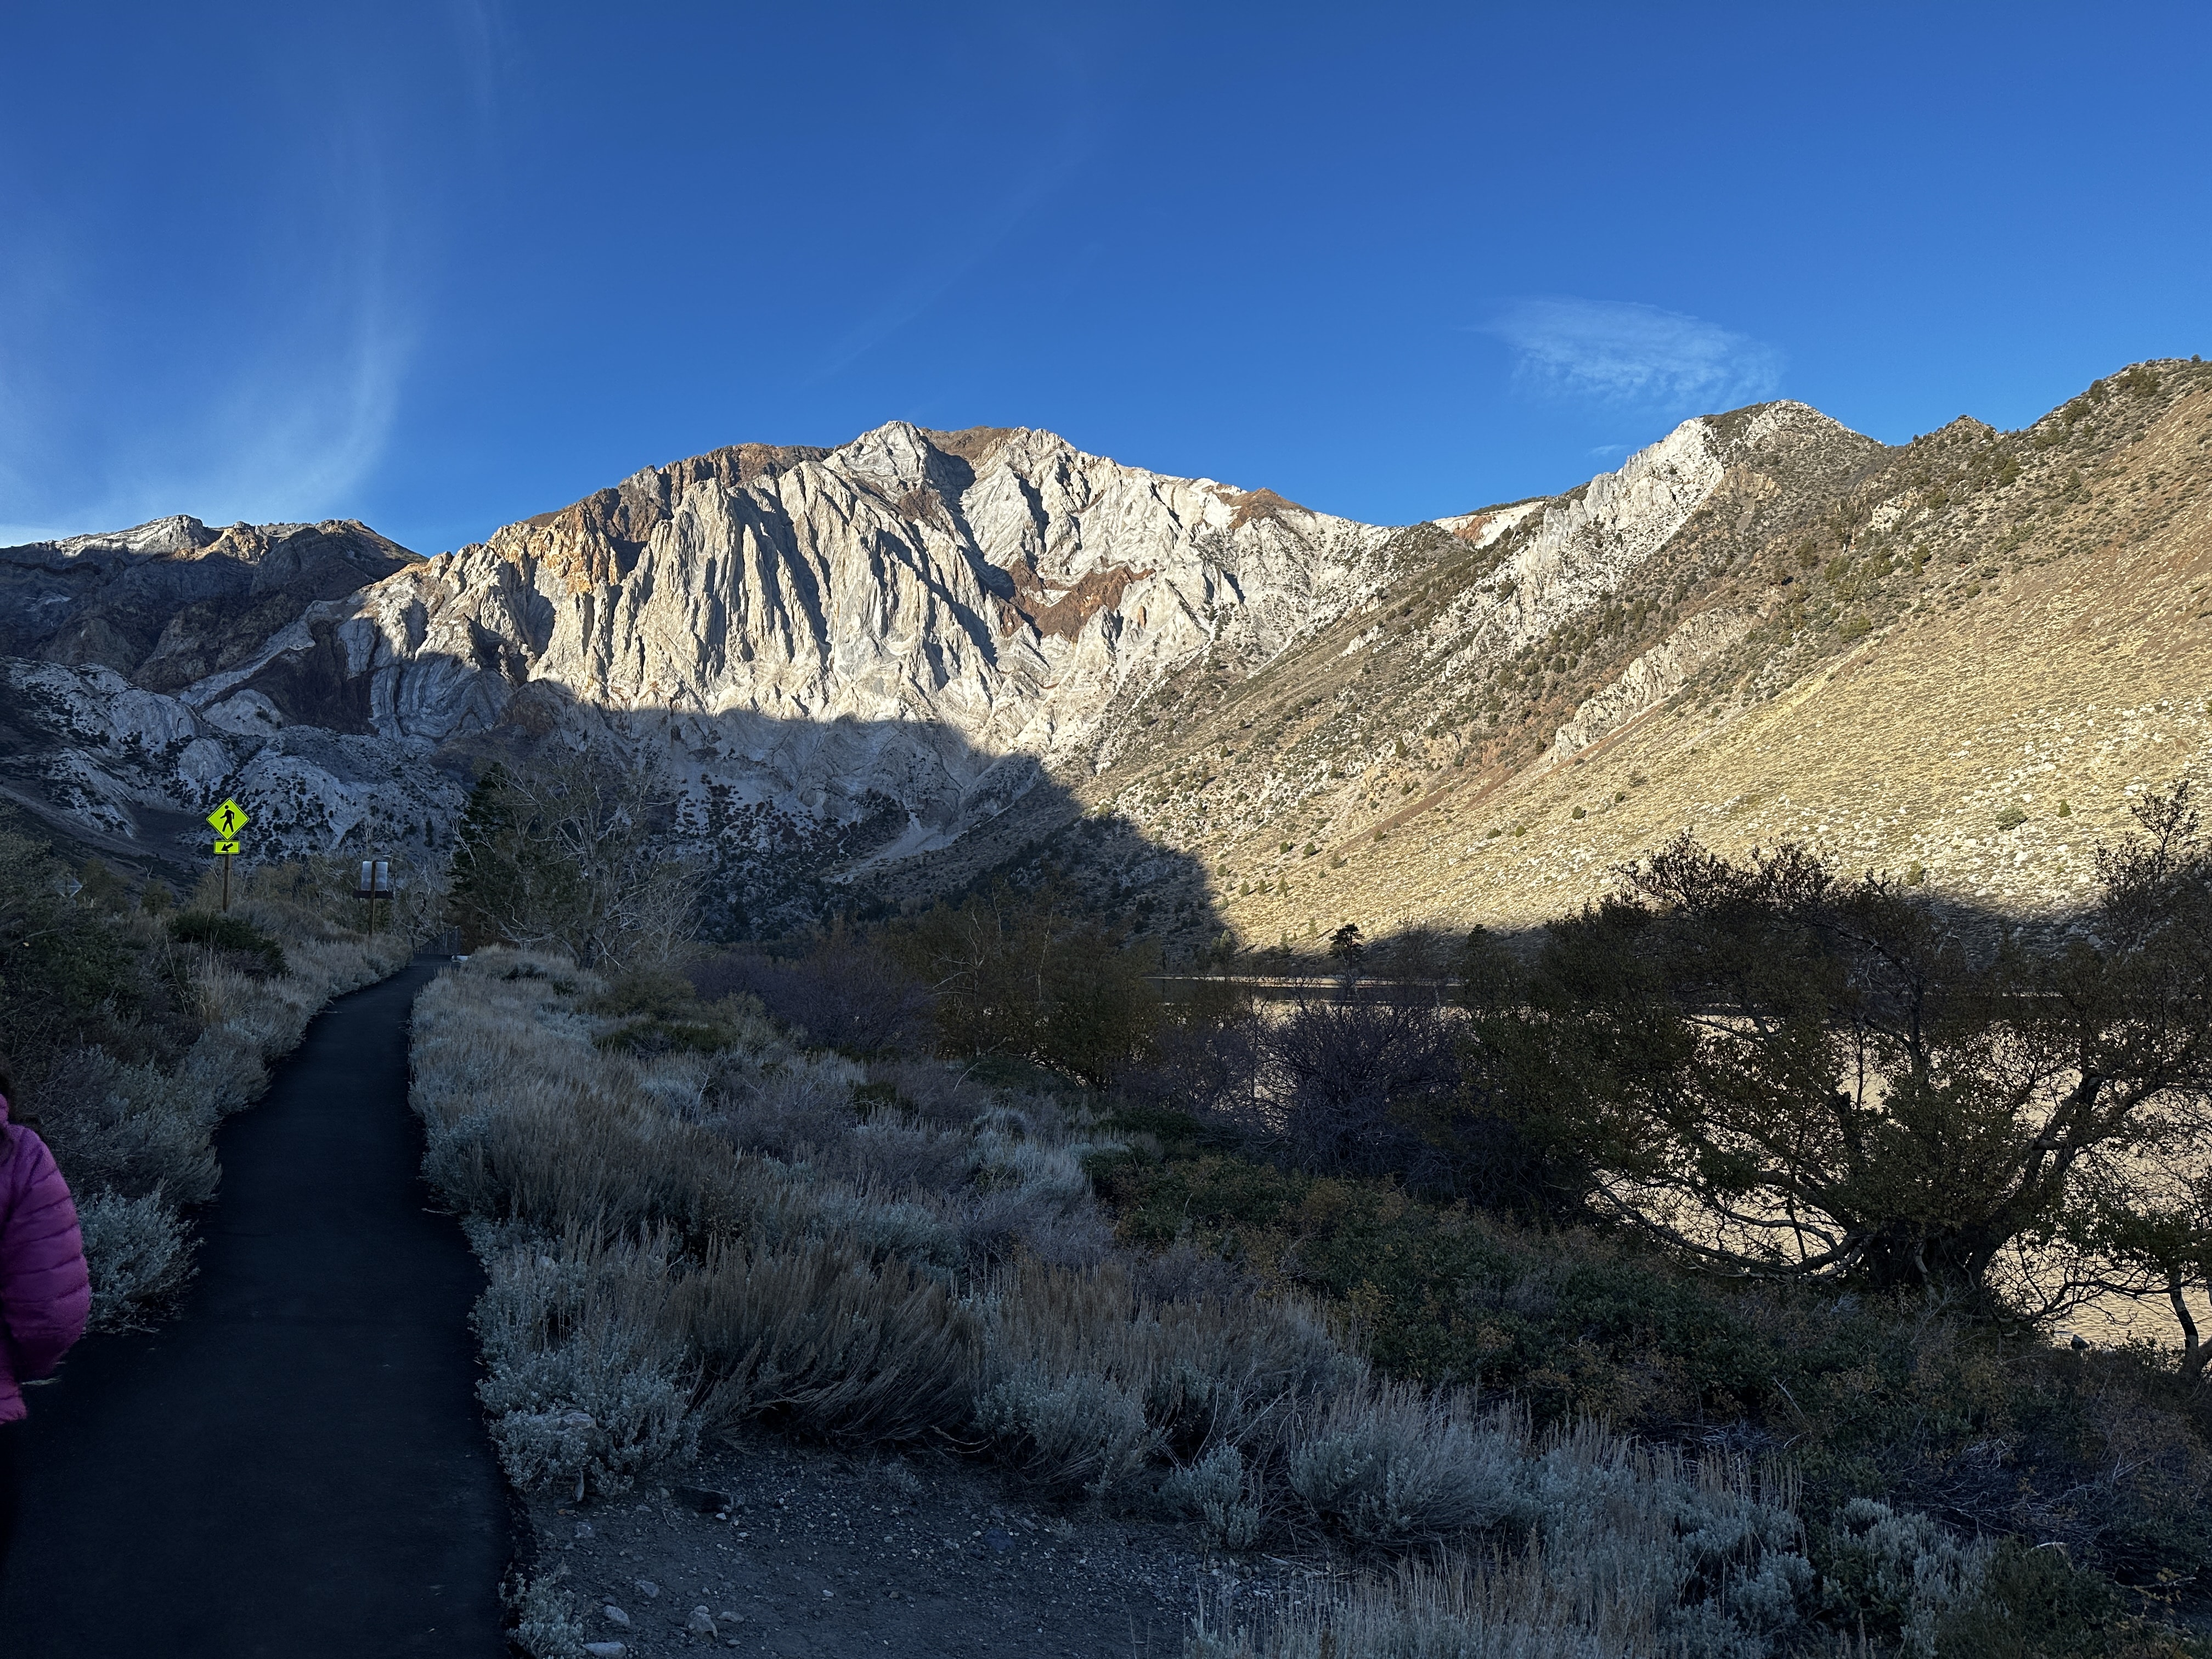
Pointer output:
x,y
228,819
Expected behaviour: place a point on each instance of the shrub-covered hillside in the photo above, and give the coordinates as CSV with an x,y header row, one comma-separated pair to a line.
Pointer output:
x,y
1692,1283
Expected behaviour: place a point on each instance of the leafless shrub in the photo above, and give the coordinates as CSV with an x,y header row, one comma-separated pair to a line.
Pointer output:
x,y
573,855
1345,1082
1210,1068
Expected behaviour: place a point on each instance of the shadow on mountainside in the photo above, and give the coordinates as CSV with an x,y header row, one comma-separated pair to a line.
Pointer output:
x,y
799,821
169,602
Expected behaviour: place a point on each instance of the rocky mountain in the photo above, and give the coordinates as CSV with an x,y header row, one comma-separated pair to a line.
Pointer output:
x,y
877,671
1954,661
845,658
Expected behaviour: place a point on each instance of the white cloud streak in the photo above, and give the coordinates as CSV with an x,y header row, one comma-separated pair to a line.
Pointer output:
x,y
286,418
1616,352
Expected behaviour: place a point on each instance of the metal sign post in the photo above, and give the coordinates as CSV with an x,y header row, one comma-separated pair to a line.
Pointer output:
x,y
228,819
375,883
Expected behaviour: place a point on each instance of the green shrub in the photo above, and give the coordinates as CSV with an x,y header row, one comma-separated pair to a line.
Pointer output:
x,y
69,974
1880,1398
1030,975
2033,1603
219,930
659,993
1897,1575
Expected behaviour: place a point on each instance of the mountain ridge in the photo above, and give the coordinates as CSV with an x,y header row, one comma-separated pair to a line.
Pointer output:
x,y
888,668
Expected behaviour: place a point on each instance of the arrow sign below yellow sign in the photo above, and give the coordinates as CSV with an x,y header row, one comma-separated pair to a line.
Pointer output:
x,y
228,819
226,848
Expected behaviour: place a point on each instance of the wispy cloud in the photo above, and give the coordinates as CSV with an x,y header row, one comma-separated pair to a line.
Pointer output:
x,y
287,425
1619,352
280,408
932,279
484,42
1069,140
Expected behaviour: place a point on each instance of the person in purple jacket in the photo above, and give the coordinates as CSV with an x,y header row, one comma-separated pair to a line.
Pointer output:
x,y
45,1292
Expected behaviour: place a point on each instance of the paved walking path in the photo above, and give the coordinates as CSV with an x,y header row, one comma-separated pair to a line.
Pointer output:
x,y
296,1466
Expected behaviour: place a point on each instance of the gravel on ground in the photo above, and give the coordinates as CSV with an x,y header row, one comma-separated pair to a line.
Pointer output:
x,y
820,1552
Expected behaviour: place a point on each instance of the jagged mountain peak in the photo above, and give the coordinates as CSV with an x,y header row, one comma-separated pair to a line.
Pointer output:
x,y
176,533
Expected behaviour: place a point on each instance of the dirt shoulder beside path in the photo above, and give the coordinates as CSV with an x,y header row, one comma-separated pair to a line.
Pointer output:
x,y
824,1554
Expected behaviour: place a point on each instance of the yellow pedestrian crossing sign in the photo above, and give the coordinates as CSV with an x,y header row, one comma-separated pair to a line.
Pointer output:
x,y
228,819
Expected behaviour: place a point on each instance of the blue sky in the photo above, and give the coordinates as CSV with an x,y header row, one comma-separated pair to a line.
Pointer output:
x,y
442,266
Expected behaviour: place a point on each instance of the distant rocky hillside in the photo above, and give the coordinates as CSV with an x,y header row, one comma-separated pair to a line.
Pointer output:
x,y
1954,662
881,670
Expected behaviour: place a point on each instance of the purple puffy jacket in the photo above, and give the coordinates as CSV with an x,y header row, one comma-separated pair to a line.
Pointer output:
x,y
44,1291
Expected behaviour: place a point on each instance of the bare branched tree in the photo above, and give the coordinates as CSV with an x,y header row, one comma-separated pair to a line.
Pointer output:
x,y
1782,1072
576,855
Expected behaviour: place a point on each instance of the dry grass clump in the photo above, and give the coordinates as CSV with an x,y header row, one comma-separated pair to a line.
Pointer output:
x,y
819,1335
1597,1547
529,1122
1087,1386
1520,1605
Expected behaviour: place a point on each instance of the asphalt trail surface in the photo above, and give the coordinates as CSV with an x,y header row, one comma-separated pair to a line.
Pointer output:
x,y
296,1464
